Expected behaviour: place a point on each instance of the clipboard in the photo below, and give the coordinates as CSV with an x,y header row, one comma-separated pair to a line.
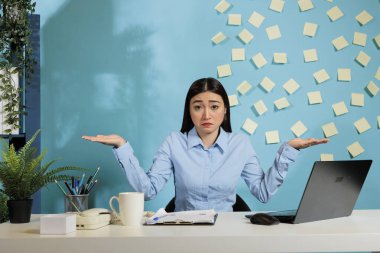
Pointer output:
x,y
198,217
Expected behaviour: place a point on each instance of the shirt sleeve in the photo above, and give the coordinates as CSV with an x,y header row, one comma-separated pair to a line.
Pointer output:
x,y
264,185
151,182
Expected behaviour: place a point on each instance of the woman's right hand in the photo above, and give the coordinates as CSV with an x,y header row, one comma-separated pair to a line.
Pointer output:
x,y
112,140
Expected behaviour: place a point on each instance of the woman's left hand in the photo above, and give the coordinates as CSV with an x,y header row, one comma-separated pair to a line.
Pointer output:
x,y
299,143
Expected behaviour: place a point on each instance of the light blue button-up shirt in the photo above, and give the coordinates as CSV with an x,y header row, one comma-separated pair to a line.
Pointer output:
x,y
206,178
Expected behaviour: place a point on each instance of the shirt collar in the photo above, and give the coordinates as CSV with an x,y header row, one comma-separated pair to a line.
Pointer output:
x,y
194,140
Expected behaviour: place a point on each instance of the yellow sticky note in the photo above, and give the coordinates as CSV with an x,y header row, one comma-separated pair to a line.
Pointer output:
x,y
377,40
364,17
222,6
340,108
340,43
327,157
218,38
314,97
357,99
362,125
334,13
256,19
273,32
260,107
280,58
238,54
305,5
355,149
272,137
310,29
360,39
259,60
244,87
321,76
277,5
245,36
310,55
344,75
377,75
267,84
329,129
363,58
224,70
233,100
249,126
291,86
372,88
281,103
234,19
298,128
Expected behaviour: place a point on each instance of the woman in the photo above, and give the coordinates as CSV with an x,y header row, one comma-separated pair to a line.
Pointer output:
x,y
206,158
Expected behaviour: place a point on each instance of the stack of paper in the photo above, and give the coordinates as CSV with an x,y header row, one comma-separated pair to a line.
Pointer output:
x,y
184,217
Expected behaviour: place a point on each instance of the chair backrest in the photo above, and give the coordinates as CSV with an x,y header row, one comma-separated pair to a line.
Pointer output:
x,y
239,206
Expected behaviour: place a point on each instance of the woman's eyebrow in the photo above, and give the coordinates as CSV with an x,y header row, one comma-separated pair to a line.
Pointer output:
x,y
201,101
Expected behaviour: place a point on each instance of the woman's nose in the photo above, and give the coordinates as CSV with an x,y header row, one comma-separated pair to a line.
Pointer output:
x,y
206,113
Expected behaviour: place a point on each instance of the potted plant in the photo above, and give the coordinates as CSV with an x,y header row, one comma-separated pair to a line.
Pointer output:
x,y
22,174
3,208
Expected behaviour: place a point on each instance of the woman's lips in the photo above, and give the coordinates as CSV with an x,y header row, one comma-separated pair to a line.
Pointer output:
x,y
207,124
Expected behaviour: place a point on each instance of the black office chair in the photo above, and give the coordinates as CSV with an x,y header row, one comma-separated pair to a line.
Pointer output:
x,y
239,206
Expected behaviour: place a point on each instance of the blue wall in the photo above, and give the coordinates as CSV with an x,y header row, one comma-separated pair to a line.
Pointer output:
x,y
125,66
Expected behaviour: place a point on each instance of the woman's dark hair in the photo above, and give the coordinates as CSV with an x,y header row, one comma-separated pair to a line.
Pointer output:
x,y
203,85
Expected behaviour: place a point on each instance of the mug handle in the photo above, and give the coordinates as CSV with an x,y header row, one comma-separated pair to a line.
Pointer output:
x,y
112,207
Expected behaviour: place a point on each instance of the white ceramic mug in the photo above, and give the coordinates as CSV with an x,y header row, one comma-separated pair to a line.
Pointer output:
x,y
131,205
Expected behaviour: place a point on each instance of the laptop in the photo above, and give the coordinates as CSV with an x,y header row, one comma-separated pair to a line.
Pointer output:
x,y
331,191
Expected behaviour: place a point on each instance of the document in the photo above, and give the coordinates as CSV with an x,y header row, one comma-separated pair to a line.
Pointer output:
x,y
182,218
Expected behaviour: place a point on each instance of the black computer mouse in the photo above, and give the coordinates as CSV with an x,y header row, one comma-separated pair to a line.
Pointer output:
x,y
264,219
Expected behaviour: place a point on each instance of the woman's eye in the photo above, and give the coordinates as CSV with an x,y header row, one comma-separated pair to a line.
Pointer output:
x,y
197,107
215,107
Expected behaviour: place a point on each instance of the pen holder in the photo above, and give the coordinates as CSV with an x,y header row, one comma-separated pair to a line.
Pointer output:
x,y
74,202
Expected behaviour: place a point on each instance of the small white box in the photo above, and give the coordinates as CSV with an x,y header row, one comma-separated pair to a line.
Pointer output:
x,y
57,224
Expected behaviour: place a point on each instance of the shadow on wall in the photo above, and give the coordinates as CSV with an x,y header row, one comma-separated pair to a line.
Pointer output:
x,y
93,81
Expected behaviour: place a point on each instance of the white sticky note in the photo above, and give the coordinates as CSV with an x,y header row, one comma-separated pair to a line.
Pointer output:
x,y
357,99
305,5
281,103
298,128
249,126
260,107
314,97
334,13
355,149
321,76
224,70
222,6
339,43
377,75
238,54
329,129
344,75
362,125
378,121
310,29
256,19
234,19
267,84
245,36
218,38
327,157
360,39
340,108
259,60
291,86
310,55
377,40
364,17
280,58
244,87
372,88
273,32
277,5
363,58
233,100
272,137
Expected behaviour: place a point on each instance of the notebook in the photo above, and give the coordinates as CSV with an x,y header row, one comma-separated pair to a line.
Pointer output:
x,y
331,191
197,217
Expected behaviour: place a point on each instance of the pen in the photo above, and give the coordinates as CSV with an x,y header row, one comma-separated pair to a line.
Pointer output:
x,y
81,181
68,187
66,195
91,178
92,186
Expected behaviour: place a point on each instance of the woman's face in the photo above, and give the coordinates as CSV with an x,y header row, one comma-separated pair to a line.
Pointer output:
x,y
207,112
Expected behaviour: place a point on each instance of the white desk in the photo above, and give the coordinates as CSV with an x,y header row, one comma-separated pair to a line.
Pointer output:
x,y
231,233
